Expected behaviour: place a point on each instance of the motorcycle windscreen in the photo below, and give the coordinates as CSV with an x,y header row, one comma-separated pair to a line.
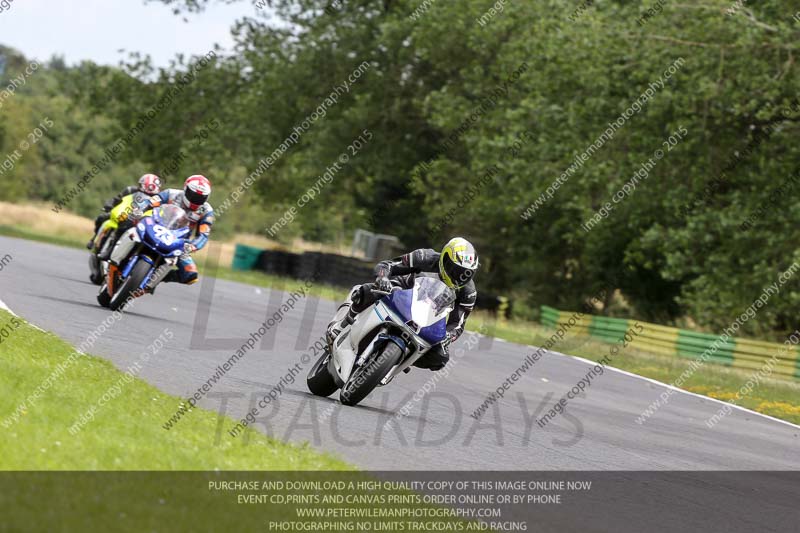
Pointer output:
x,y
400,303
431,301
166,229
427,305
171,217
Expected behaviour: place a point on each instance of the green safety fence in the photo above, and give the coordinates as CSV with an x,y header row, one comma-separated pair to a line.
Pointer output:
x,y
664,340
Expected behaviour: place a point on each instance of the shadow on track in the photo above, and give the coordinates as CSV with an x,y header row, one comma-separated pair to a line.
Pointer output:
x,y
99,308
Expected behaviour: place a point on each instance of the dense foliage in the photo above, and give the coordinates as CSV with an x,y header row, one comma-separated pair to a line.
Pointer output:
x,y
515,90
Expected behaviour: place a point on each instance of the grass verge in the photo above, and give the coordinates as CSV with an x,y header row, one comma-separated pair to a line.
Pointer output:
x,y
126,432
19,232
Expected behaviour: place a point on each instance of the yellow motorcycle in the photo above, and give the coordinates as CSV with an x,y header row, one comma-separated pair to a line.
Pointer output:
x,y
121,217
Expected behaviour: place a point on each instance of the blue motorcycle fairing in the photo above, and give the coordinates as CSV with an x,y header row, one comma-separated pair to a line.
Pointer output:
x,y
153,235
435,332
400,302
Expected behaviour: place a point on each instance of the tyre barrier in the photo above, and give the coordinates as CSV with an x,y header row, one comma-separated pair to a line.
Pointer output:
x,y
665,340
245,257
332,269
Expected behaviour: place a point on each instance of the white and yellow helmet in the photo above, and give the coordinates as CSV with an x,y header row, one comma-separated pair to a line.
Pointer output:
x,y
458,263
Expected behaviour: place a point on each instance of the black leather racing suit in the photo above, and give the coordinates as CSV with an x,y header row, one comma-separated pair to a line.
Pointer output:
x,y
402,271
110,204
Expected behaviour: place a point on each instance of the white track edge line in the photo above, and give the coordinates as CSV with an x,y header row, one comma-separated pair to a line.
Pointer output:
x,y
6,308
667,385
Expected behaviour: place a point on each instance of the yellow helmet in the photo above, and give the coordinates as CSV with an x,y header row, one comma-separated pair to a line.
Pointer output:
x,y
458,263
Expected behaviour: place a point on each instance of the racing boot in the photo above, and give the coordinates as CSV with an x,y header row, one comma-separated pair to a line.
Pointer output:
x,y
94,241
344,316
97,223
158,277
108,247
341,320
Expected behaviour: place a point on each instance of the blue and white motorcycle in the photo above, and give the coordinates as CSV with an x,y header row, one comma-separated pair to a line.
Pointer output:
x,y
384,340
144,255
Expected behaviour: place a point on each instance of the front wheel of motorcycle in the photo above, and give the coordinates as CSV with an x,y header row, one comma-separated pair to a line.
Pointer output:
x,y
319,380
95,269
102,297
131,283
367,377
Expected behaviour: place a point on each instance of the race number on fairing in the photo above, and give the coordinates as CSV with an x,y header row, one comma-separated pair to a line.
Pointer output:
x,y
164,234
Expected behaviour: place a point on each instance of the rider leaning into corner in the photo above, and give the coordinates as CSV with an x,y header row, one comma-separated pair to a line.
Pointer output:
x,y
455,265
149,184
193,198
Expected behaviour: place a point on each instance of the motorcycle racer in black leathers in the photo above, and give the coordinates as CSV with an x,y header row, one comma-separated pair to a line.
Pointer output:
x,y
455,266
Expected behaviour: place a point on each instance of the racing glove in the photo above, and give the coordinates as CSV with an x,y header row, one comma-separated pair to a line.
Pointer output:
x,y
449,339
383,284
189,248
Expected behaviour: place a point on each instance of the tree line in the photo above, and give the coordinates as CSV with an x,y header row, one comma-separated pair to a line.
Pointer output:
x,y
523,98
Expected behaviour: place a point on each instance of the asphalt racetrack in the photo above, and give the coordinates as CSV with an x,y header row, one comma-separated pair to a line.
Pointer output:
x,y
48,286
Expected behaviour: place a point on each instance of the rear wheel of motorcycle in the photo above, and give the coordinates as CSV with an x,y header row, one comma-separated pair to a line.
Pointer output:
x,y
319,380
135,278
367,377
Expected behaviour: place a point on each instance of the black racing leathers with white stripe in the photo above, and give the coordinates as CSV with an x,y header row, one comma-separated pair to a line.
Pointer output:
x,y
403,270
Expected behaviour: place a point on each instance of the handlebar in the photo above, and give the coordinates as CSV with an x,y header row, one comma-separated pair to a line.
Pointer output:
x,y
385,293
